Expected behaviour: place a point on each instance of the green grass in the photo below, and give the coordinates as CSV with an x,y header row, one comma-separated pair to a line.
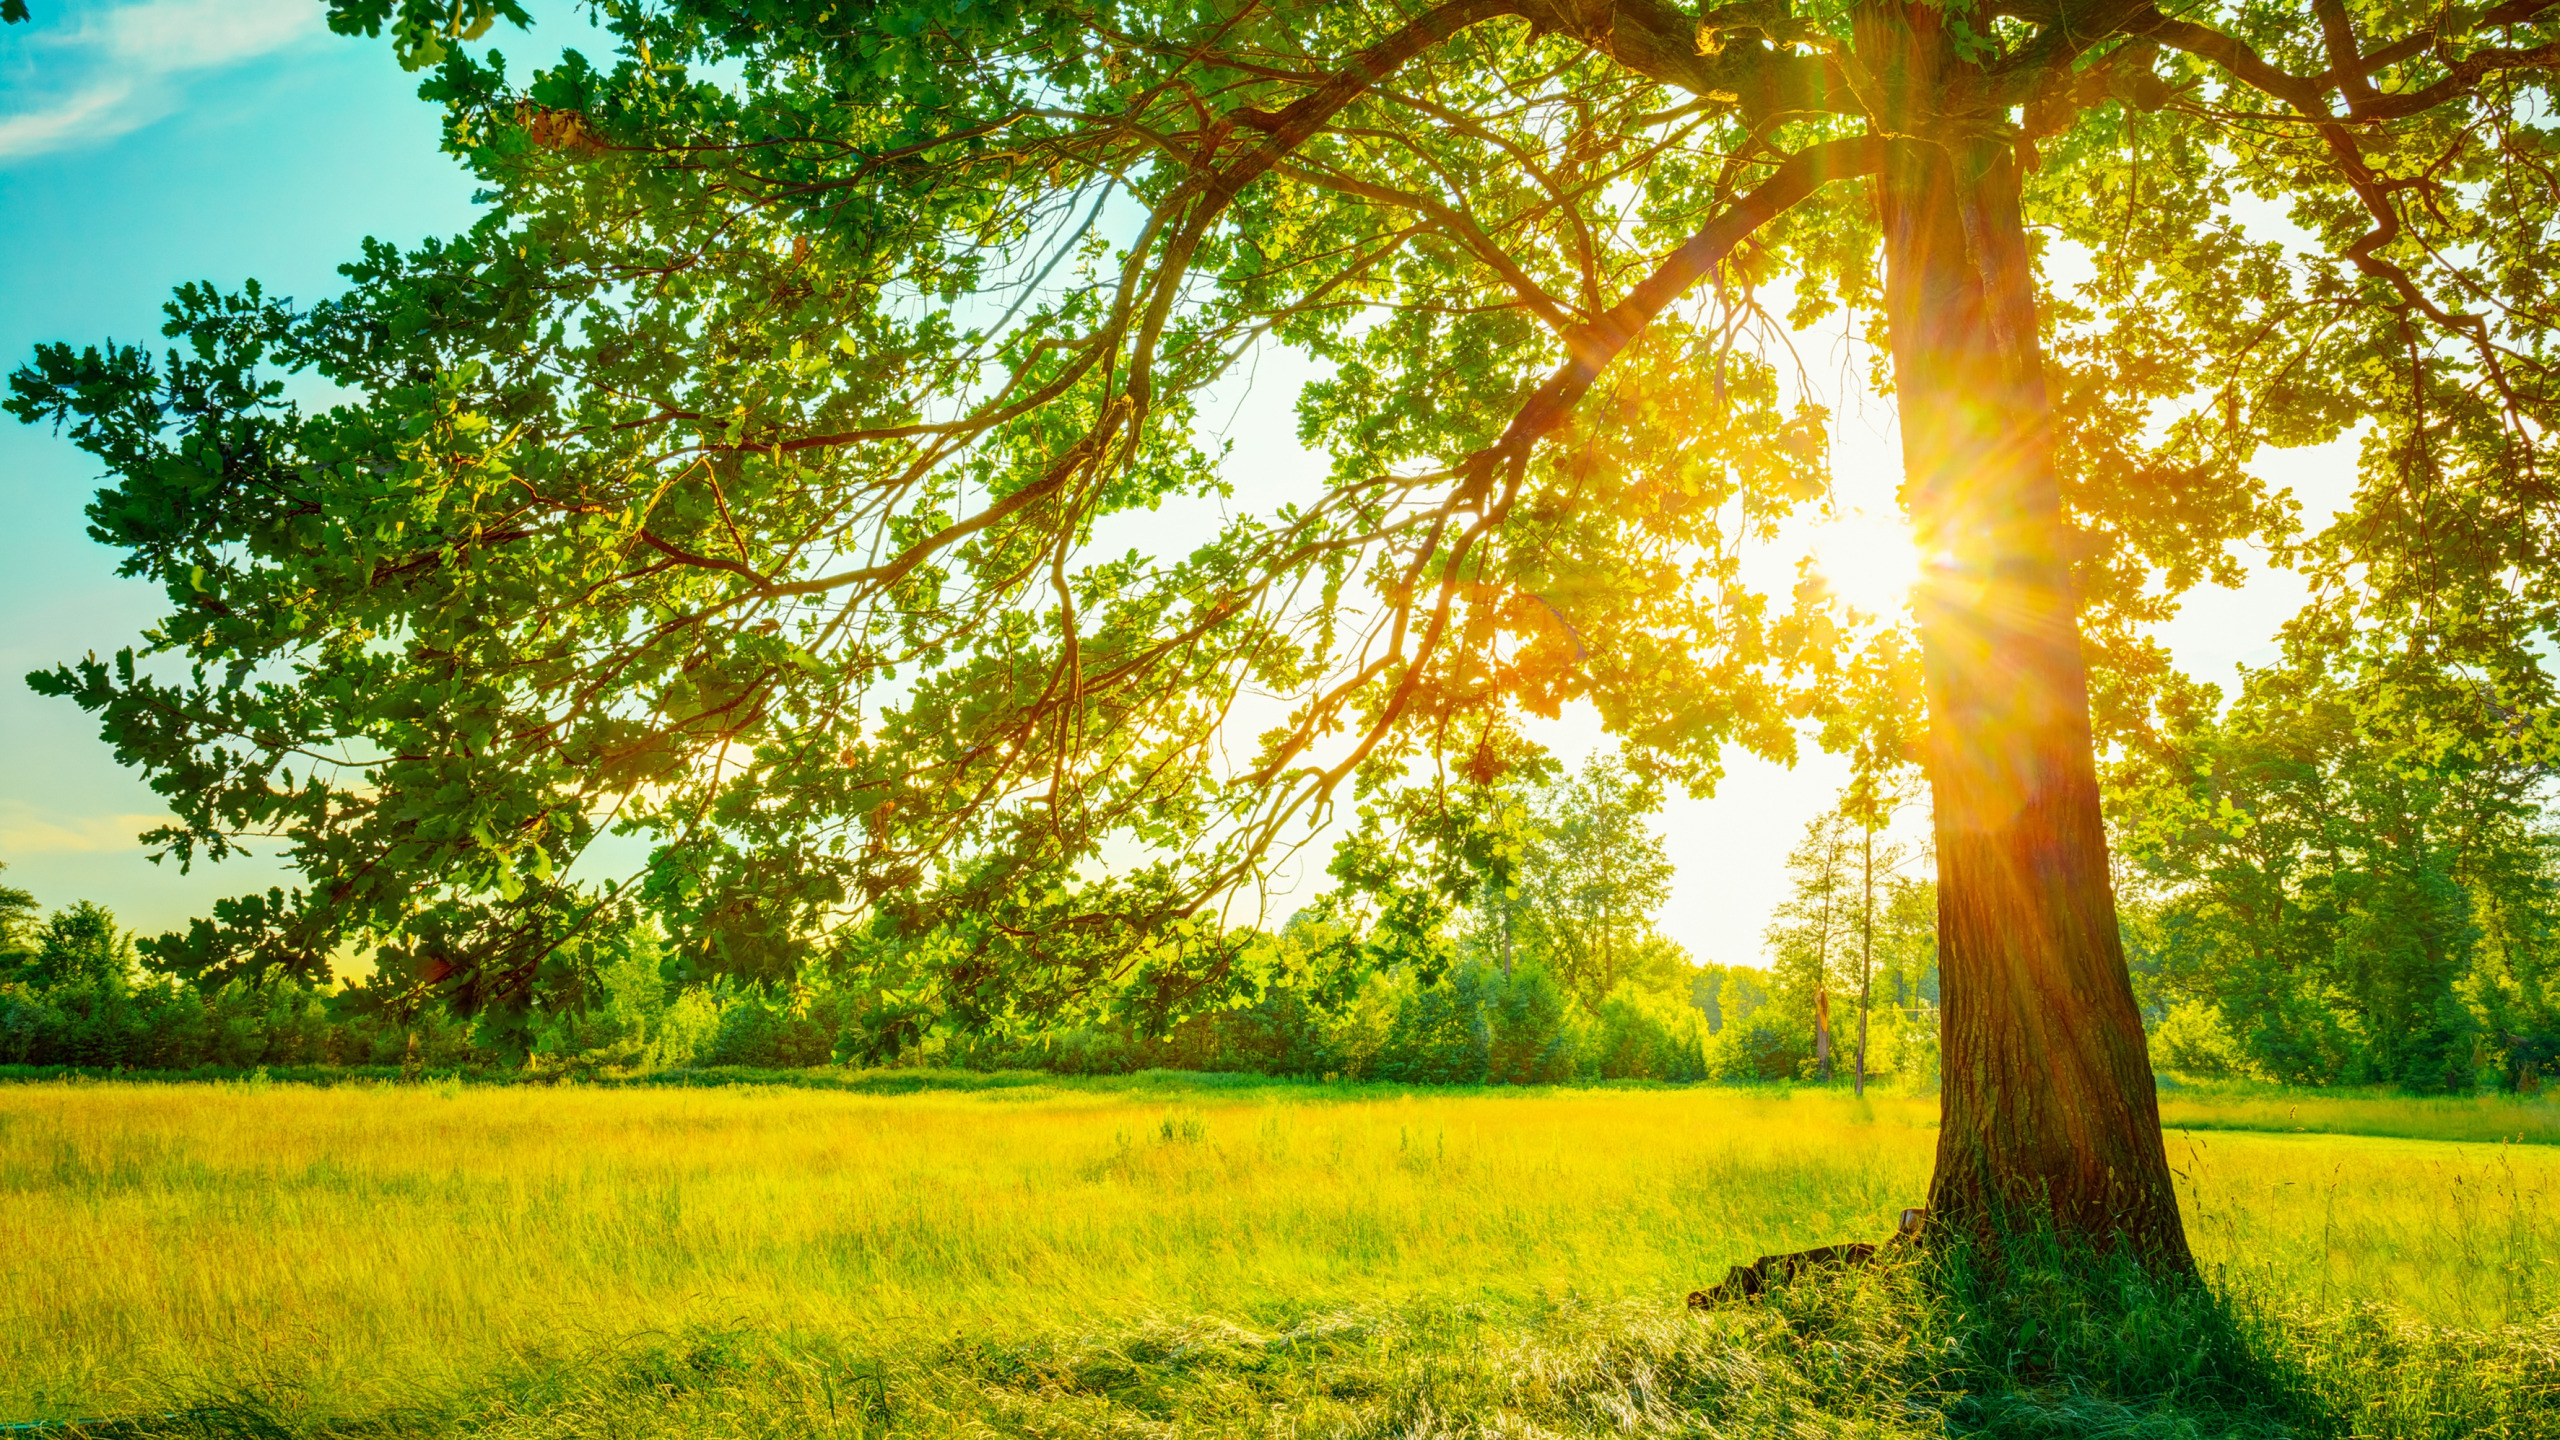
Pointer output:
x,y
1065,1258
2240,1105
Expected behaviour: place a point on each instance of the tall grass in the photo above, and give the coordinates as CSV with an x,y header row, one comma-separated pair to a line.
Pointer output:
x,y
358,1250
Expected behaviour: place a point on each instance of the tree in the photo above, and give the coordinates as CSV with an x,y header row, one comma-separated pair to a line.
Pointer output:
x,y
1591,881
1827,932
1815,928
1873,723
756,474
1907,970
1871,809
1522,862
17,922
80,947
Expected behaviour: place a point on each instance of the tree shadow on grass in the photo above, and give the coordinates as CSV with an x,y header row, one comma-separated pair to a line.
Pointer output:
x,y
2049,1337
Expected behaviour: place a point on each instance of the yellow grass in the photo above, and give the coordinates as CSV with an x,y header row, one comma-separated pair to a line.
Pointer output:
x,y
368,1243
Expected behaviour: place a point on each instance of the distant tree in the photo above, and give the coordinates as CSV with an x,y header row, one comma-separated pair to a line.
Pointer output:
x,y
1813,933
1593,878
1504,841
1434,868
1869,803
1902,1008
2362,891
1515,862
18,912
1728,994
81,946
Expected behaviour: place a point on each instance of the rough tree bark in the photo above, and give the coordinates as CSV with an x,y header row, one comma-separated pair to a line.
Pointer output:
x,y
2049,1114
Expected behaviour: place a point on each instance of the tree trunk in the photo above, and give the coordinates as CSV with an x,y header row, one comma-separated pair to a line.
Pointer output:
x,y
2048,1110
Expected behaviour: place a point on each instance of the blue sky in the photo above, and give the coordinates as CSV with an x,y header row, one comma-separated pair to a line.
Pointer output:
x,y
146,144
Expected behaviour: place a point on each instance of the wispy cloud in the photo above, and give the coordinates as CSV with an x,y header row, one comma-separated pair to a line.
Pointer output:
x,y
107,72
27,830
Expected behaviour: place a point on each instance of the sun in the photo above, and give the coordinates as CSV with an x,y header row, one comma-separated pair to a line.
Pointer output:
x,y
1868,560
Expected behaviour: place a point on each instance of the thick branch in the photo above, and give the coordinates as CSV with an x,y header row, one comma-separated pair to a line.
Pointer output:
x,y
1591,347
2349,73
2063,39
2346,59
1660,43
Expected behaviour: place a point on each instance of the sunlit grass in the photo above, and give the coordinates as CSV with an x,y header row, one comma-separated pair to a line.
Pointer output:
x,y
366,1244
2240,1105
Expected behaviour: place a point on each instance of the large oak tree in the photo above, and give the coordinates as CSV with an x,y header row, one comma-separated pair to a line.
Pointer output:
x,y
770,472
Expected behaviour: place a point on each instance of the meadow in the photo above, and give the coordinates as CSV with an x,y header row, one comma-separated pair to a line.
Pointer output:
x,y
586,1260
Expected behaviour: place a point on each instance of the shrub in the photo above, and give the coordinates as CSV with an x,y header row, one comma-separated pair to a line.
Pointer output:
x,y
1766,1047
1355,1038
1642,1035
1440,1036
1529,1027
2191,1040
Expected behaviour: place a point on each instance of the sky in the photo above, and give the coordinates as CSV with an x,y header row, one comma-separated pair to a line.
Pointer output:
x,y
147,144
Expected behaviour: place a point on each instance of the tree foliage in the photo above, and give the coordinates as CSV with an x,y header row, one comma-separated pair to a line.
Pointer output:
x,y
18,911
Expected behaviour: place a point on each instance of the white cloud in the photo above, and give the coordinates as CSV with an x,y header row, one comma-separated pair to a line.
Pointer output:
x,y
119,69
103,110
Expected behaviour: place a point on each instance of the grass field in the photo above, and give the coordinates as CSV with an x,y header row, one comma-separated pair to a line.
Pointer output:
x,y
389,1251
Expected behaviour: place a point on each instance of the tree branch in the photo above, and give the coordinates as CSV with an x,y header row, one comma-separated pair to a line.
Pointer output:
x,y
1591,347
2350,73
1451,219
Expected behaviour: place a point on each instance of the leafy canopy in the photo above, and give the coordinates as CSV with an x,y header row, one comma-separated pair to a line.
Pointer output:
x,y
808,463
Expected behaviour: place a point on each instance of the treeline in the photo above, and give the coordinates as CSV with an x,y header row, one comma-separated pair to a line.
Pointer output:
x,y
1556,973
79,1000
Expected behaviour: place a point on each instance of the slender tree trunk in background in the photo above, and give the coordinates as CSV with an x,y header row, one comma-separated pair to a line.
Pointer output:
x,y
1866,953
2048,1109
1822,959
1822,1032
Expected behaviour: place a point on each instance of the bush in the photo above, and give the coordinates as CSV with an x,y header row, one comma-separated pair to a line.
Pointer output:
x,y
1081,1051
1530,1036
1440,1035
1641,1035
1763,1048
1355,1038
1278,1034
80,1003
769,1034
2191,1040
